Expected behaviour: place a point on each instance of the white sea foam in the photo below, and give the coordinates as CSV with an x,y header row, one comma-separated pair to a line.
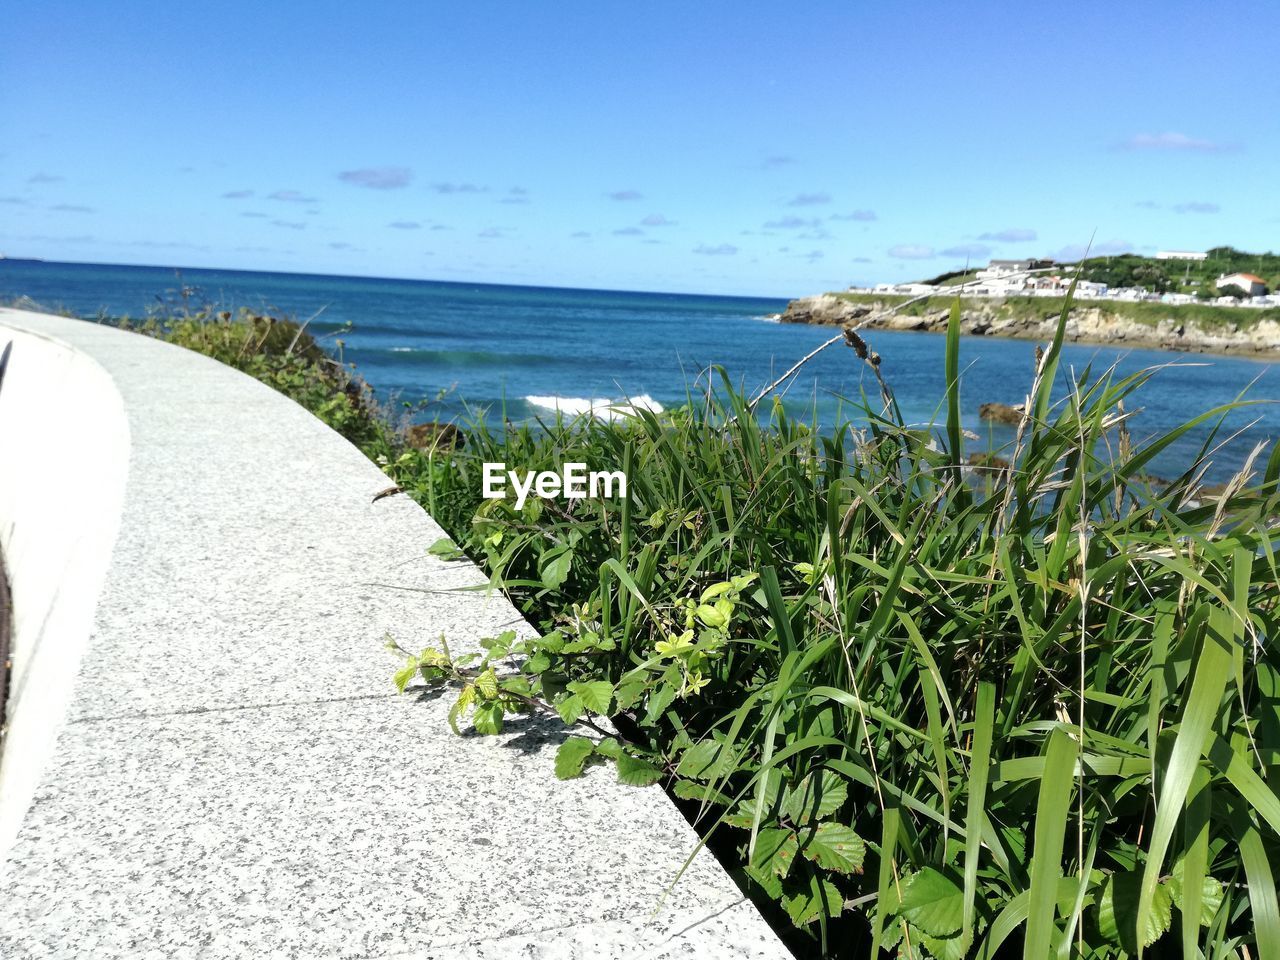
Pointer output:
x,y
402,349
600,407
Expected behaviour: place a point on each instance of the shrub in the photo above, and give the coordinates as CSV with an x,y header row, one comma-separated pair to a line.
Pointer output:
x,y
920,712
918,706
284,355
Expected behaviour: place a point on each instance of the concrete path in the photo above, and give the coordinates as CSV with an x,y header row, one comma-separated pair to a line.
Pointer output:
x,y
236,776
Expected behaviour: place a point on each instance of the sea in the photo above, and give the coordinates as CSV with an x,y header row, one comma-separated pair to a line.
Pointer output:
x,y
453,349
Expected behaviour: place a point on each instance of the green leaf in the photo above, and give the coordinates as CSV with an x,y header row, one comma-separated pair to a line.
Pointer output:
x,y
446,548
975,812
538,663
948,948
555,567
705,760
715,590
1053,808
635,772
597,695
1211,894
628,692
404,675
1200,710
1262,886
688,790
487,684
488,718
767,880
933,902
714,615
818,795
1191,870
834,846
572,756
609,747
1118,912
659,700
819,898
570,708
465,699
775,850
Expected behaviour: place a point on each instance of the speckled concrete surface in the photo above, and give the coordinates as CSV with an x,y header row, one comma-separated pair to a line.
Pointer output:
x,y
236,779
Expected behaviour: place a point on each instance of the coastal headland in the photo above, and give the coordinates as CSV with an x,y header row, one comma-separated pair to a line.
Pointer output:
x,y
1192,328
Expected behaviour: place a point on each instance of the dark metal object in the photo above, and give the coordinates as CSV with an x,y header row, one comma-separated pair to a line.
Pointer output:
x,y
4,360
6,625
6,599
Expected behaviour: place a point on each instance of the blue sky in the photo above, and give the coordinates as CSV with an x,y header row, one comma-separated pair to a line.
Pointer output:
x,y
755,148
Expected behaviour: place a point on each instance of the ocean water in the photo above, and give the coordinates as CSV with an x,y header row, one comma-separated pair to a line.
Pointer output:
x,y
528,350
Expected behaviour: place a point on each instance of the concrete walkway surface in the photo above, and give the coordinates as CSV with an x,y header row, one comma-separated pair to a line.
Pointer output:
x,y
229,772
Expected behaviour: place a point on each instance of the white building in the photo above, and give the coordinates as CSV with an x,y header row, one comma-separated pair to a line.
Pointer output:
x,y
1181,255
1250,284
1001,269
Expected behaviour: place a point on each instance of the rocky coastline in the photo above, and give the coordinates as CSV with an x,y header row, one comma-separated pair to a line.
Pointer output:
x,y
1087,323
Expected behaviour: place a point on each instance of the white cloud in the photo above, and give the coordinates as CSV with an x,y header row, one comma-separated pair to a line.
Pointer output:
x,y
1170,141
1196,206
448,188
291,196
967,250
1075,251
792,223
809,199
911,251
1010,235
720,250
378,178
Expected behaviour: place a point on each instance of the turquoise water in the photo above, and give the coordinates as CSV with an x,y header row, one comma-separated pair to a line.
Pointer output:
x,y
528,346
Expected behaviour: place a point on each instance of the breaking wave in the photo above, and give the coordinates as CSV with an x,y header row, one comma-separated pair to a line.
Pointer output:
x,y
603,408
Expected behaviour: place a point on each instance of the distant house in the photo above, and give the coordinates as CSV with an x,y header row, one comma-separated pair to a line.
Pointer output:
x,y
1181,255
999,269
1253,286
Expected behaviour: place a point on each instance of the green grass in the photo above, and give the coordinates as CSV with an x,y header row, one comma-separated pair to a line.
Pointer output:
x,y
284,355
1032,711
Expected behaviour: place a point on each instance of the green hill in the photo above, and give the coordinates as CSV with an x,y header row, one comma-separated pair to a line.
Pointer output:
x,y
1166,276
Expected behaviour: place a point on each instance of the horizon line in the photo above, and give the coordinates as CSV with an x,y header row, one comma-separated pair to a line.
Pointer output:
x,y
363,276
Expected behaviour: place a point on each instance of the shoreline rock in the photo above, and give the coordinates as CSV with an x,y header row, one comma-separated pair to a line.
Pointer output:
x,y
1001,413
1087,324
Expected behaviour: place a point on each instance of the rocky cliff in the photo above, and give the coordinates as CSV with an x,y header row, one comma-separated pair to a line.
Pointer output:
x,y
1085,324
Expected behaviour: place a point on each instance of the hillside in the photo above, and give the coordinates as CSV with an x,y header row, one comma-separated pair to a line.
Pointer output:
x,y
1196,328
1163,276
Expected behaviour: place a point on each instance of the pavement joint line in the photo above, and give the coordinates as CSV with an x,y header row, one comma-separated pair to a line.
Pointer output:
x,y
231,708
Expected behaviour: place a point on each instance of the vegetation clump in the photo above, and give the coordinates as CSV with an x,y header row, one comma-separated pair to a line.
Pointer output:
x,y
919,707
282,354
